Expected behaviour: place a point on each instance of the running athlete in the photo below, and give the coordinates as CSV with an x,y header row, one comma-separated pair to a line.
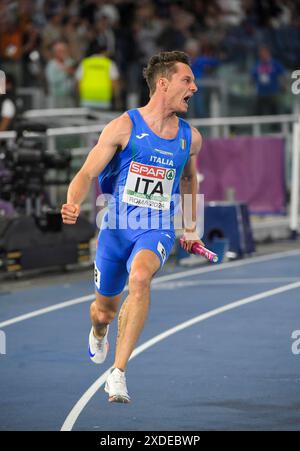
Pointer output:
x,y
142,158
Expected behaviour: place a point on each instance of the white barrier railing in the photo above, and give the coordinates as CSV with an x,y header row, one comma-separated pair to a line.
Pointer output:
x,y
218,125
36,95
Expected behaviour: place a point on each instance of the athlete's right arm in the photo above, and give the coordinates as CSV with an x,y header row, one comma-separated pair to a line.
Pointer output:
x,y
115,135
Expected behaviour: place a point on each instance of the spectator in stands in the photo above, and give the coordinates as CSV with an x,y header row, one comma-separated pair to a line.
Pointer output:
x,y
213,16
60,80
148,27
176,30
52,33
88,10
200,64
76,33
98,80
8,106
11,47
231,12
268,75
31,42
104,34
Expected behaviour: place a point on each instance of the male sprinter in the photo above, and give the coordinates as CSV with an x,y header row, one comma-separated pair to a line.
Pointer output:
x,y
141,159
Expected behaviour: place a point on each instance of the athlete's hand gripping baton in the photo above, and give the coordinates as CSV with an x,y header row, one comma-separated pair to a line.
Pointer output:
x,y
197,248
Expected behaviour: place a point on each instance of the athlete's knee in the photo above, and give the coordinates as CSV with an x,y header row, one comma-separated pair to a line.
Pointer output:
x,y
102,315
140,279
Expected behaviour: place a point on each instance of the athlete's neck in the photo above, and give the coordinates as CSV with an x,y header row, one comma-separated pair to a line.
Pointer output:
x,y
158,114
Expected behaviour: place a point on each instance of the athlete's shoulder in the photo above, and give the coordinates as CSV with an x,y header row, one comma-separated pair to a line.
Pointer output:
x,y
121,123
119,129
195,133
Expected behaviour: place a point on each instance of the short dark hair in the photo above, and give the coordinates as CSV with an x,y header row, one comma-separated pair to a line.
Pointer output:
x,y
96,47
163,64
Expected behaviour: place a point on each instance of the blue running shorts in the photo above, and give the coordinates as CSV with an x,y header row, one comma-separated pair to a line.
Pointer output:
x,y
116,250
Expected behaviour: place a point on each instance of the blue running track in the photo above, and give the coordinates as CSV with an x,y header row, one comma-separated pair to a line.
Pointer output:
x,y
229,366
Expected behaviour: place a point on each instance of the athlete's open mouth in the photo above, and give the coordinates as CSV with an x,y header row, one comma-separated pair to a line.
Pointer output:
x,y
186,99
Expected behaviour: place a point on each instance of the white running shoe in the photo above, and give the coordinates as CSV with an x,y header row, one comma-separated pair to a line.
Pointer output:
x,y
116,387
98,348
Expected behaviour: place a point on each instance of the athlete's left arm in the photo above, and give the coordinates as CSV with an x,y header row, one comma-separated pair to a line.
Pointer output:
x,y
189,185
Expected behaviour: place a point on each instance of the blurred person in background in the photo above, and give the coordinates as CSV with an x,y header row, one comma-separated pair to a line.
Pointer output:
x,y
8,105
104,34
98,80
268,75
52,33
11,46
147,28
76,33
199,65
231,12
60,80
177,29
31,42
88,10
110,10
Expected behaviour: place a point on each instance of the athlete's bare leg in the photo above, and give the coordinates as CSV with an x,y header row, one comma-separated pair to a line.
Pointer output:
x,y
102,312
135,308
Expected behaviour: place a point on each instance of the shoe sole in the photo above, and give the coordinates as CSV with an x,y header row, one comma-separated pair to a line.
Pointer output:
x,y
119,398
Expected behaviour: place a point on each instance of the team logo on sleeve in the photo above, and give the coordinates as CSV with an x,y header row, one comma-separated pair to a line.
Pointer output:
x,y
149,186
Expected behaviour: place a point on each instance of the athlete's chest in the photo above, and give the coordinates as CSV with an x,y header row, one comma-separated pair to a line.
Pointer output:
x,y
154,167
159,152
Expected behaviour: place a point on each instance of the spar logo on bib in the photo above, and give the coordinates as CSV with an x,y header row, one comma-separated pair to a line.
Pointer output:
x,y
170,174
149,186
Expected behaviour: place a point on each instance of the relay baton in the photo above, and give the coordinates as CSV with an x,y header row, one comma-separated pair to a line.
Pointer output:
x,y
197,248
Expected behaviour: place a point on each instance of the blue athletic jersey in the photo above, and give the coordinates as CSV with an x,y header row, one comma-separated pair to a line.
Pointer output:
x,y
143,177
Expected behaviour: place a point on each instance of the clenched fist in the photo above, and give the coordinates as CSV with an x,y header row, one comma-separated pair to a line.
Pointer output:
x,y
70,213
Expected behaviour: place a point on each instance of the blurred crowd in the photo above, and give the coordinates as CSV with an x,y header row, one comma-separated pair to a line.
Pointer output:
x,y
47,43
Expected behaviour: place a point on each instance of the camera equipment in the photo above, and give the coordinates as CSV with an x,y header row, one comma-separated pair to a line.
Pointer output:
x,y
32,235
25,169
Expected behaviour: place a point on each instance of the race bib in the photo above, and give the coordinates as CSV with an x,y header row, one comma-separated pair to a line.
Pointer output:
x,y
149,186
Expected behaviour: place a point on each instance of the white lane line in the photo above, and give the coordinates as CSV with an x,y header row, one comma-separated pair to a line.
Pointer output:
x,y
85,398
177,275
42,311
249,281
